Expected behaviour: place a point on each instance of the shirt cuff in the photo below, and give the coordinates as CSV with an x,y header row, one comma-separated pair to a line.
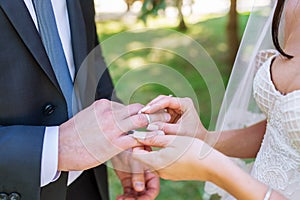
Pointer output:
x,y
49,163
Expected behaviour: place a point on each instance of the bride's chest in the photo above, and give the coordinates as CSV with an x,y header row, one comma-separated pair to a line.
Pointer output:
x,y
282,111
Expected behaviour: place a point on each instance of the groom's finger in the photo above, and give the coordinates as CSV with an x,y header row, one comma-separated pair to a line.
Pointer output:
x,y
181,104
137,170
126,111
142,120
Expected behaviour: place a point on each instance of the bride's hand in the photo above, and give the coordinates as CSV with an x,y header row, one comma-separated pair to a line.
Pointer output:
x,y
186,158
181,158
184,117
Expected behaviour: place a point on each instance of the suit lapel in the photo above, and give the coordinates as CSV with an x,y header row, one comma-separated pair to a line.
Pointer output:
x,y
78,35
20,18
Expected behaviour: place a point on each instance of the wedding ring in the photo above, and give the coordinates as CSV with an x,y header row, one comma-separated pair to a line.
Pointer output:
x,y
148,118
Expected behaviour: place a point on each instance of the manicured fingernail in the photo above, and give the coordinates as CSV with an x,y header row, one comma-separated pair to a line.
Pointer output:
x,y
139,135
139,186
144,109
167,116
160,133
152,127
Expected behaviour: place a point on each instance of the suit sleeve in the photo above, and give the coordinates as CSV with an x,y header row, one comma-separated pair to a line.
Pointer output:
x,y
20,154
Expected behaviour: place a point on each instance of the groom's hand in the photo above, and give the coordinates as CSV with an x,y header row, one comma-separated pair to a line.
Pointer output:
x,y
99,132
137,183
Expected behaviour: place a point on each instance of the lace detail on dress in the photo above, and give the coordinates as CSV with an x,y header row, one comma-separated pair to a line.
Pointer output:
x,y
262,56
278,161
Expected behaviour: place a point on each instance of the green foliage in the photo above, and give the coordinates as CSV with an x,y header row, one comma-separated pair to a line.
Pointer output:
x,y
151,7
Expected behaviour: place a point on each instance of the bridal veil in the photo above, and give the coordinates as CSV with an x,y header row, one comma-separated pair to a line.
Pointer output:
x,y
239,108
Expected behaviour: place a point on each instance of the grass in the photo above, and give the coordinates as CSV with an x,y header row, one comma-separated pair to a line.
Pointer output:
x,y
146,63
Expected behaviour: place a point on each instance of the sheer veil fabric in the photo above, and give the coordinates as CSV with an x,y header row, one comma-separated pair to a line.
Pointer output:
x,y
239,108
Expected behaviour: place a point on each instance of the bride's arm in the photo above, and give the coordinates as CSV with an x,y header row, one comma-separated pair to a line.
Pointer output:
x,y
186,158
239,183
242,143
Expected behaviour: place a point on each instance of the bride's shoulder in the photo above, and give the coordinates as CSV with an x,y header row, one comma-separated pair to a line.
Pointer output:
x,y
285,74
263,55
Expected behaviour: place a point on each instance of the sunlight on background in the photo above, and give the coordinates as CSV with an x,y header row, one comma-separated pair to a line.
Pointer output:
x,y
199,7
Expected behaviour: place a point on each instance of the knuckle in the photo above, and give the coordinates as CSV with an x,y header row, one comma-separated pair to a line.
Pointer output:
x,y
141,120
136,106
188,100
151,140
100,103
164,128
108,113
162,96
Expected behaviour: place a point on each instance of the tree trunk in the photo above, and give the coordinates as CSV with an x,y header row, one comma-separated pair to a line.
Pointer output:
x,y
232,32
182,26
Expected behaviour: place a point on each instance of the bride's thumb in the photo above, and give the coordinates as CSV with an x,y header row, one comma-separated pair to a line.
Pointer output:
x,y
146,157
157,140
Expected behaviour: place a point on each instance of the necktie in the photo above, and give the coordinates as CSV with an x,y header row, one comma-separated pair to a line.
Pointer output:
x,y
52,43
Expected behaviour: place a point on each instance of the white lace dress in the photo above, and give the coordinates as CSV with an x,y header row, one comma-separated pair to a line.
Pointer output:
x,y
278,161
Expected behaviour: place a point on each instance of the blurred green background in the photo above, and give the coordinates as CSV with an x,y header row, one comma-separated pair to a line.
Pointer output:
x,y
210,29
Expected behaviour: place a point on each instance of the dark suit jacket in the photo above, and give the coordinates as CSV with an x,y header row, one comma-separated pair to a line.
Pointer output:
x,y
31,98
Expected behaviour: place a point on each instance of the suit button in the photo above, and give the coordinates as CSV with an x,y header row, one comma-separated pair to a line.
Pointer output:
x,y
3,196
14,196
48,109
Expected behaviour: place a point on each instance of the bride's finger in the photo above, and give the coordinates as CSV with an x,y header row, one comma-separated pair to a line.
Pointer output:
x,y
175,115
142,135
163,103
157,140
159,98
167,128
156,99
148,158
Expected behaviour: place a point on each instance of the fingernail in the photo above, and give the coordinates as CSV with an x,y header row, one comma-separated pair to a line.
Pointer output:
x,y
144,109
139,135
152,127
160,133
170,95
167,116
139,186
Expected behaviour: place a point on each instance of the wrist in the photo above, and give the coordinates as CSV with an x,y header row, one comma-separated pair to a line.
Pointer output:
x,y
71,151
202,132
64,148
207,163
216,171
235,181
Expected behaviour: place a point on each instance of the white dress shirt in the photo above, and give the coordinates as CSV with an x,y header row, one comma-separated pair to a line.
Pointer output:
x,y
49,163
